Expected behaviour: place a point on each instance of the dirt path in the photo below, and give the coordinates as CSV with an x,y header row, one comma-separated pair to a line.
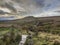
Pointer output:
x,y
24,37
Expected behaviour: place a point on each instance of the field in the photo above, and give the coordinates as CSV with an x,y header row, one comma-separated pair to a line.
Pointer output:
x,y
40,32
38,37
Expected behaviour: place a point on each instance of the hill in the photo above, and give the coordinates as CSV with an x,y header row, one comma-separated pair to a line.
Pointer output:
x,y
55,20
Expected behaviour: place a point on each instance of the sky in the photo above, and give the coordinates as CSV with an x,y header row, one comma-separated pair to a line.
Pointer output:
x,y
15,9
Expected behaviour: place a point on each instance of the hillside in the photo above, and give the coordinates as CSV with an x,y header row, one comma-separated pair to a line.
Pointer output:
x,y
40,30
55,20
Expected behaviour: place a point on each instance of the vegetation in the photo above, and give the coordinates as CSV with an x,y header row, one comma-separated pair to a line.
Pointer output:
x,y
12,37
39,33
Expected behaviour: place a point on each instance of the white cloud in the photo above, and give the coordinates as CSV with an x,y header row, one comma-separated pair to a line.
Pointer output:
x,y
48,13
5,9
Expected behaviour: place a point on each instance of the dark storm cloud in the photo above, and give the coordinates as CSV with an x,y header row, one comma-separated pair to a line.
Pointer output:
x,y
10,7
30,6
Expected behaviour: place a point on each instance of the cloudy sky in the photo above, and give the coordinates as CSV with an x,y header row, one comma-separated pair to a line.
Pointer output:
x,y
14,9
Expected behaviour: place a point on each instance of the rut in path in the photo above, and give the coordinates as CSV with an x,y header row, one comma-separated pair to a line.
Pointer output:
x,y
24,37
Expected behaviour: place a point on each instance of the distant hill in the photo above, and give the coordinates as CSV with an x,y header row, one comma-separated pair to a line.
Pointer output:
x,y
30,19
